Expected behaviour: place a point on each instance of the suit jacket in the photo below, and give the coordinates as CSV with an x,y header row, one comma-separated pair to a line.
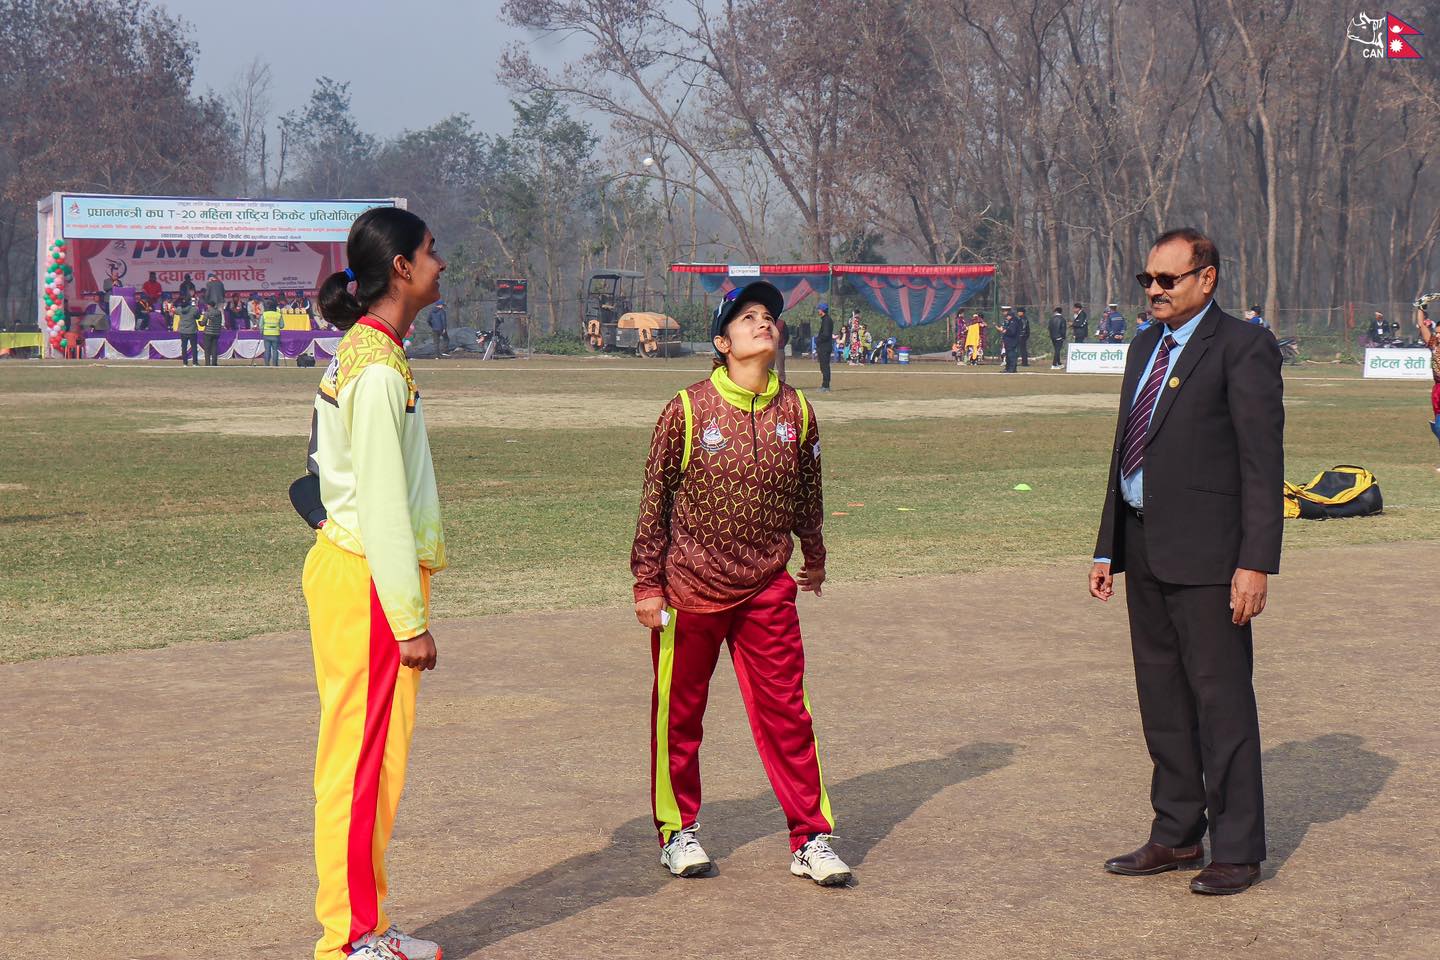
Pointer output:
x,y
1214,457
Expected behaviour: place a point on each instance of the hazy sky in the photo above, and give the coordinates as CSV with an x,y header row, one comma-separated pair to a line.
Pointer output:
x,y
408,62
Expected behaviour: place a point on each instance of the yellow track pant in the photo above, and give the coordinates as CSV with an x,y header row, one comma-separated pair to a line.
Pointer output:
x,y
367,715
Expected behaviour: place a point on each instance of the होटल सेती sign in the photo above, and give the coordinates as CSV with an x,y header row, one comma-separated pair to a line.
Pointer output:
x,y
1096,357
1394,363
84,216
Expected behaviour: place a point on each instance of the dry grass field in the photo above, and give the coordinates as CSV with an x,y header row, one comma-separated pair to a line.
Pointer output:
x,y
976,710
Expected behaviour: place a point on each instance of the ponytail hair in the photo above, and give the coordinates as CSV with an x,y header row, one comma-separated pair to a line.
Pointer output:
x,y
377,237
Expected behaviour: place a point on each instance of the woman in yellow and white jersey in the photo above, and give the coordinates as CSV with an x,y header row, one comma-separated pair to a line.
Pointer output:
x,y
367,579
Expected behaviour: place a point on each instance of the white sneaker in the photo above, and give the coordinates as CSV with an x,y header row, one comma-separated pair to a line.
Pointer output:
x,y
371,947
818,861
407,947
683,856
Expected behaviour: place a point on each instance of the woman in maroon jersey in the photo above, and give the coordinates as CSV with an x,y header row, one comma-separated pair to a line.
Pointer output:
x,y
733,475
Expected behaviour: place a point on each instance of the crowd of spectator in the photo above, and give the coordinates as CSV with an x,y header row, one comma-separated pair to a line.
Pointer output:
x,y
970,333
200,314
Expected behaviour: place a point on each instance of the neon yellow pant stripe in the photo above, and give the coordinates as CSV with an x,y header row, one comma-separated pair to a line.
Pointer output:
x,y
667,809
825,810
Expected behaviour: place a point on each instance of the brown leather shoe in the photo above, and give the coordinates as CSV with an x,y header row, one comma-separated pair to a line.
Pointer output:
x,y
1155,858
1220,879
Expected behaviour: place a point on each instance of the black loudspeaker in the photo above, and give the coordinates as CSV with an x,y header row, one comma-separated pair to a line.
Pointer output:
x,y
512,295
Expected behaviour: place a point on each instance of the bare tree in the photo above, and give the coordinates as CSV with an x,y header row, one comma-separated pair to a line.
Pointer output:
x,y
249,101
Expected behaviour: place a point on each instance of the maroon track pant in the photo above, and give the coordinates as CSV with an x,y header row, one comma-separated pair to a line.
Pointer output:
x,y
765,646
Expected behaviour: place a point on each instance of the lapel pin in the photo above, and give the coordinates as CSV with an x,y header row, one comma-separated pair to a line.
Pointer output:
x,y
1174,382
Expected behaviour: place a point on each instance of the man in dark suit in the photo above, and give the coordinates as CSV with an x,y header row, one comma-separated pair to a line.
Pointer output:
x,y
1057,337
1010,334
1024,336
825,346
1193,511
1079,325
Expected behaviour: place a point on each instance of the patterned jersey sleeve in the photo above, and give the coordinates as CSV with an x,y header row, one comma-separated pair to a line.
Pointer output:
x,y
810,499
662,477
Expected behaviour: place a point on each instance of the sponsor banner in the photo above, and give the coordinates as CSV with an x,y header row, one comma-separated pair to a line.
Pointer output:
x,y
745,271
242,265
1096,357
86,216
1396,364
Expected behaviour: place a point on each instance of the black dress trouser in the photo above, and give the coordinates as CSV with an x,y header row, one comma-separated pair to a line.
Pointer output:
x,y
1059,346
824,352
1197,706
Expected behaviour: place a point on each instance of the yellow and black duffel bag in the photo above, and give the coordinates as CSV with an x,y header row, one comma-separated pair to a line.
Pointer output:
x,y
1341,491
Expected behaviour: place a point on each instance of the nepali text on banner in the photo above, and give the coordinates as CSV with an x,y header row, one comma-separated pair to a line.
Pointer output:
x,y
1391,363
1097,357
241,266
86,216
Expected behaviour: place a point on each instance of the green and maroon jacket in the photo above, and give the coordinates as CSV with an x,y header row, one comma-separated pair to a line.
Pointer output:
x,y
731,476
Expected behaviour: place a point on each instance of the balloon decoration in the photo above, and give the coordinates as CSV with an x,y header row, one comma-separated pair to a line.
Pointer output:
x,y
58,274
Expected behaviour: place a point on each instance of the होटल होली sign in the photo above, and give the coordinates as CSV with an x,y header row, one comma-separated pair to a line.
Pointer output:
x,y
1393,363
1096,357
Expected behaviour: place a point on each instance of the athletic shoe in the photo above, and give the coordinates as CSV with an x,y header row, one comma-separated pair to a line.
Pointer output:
x,y
818,861
683,856
407,947
371,947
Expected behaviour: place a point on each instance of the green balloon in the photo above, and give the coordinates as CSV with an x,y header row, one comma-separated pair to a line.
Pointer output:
x,y
60,242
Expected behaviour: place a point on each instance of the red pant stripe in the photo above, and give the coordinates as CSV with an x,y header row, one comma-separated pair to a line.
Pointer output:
x,y
384,665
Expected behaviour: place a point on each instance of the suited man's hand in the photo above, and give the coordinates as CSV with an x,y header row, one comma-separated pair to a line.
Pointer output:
x,y
1247,595
1102,585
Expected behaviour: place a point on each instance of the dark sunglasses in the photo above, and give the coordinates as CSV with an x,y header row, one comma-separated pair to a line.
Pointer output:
x,y
1167,281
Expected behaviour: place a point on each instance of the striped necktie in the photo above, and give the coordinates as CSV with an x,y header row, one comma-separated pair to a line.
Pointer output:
x,y
1139,423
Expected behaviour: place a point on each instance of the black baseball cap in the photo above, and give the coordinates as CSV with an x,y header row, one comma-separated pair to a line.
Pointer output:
x,y
757,291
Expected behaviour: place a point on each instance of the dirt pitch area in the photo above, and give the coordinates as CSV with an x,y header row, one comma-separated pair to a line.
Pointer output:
x,y
980,740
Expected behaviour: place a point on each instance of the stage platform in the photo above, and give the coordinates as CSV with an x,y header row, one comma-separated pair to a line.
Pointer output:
x,y
234,345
